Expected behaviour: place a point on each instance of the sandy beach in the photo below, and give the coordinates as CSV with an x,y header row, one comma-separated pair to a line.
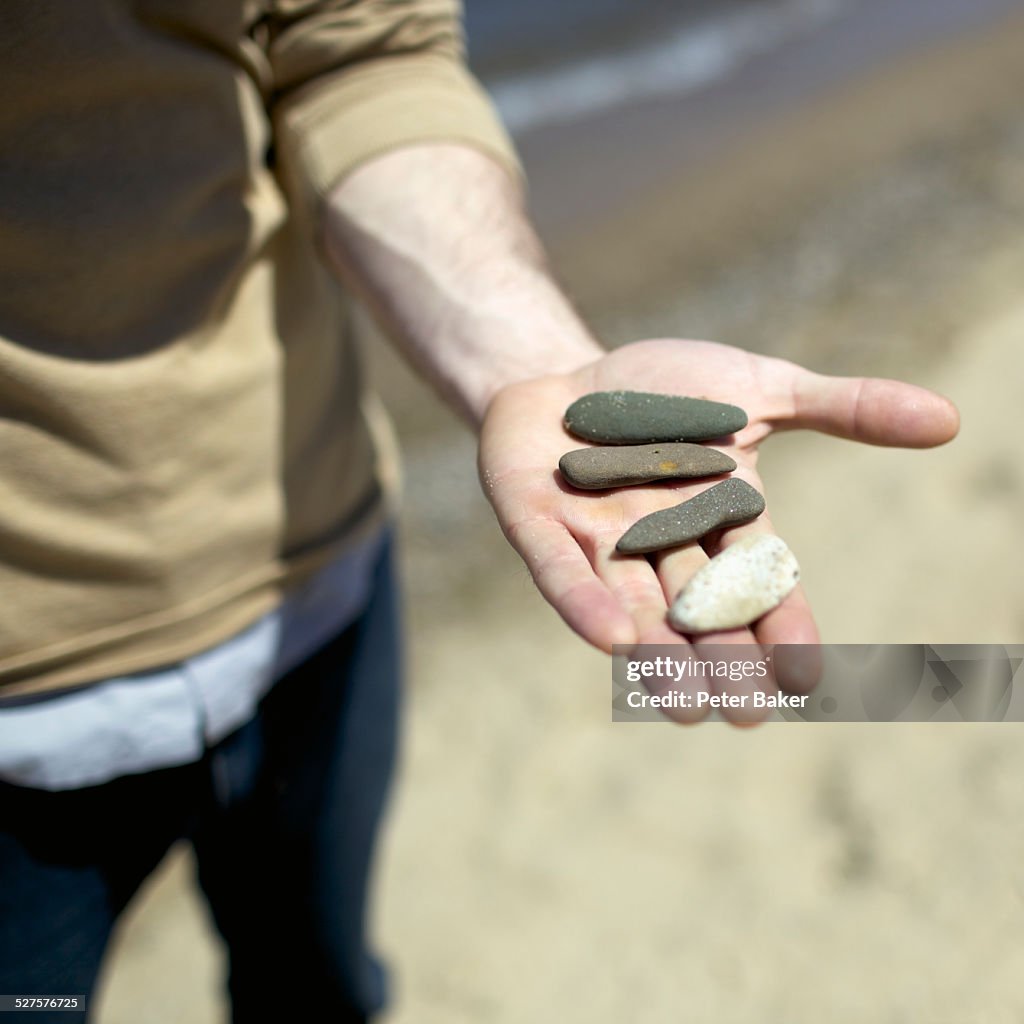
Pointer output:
x,y
541,864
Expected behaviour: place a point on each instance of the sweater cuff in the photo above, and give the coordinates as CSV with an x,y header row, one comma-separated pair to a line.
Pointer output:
x,y
327,129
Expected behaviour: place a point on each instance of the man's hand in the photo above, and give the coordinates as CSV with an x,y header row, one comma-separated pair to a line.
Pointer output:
x,y
567,537
437,240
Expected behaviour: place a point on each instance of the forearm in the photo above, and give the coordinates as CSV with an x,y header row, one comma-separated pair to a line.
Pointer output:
x,y
436,239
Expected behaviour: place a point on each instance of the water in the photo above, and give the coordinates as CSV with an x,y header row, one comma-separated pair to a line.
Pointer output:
x,y
554,62
526,32
697,51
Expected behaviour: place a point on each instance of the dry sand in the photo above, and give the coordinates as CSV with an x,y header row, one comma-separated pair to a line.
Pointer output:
x,y
544,865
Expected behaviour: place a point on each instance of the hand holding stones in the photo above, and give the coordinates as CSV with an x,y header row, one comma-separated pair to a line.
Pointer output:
x,y
652,435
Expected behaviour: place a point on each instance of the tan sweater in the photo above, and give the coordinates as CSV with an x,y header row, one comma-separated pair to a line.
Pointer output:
x,y
183,429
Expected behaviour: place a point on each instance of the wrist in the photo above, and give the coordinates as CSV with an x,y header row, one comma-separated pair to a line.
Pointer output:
x,y
516,349
436,240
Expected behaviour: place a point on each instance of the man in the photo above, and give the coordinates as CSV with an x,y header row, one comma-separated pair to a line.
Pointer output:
x,y
197,630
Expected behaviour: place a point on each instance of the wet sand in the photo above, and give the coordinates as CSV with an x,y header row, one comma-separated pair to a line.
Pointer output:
x,y
542,864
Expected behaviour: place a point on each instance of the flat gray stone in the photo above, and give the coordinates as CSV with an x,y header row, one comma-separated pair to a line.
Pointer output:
x,y
638,417
726,504
737,587
593,469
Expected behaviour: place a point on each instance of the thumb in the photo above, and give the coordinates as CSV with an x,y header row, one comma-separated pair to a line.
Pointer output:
x,y
875,411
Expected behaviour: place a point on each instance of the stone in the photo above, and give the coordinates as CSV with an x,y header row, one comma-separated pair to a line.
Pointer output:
x,y
737,587
638,417
726,504
593,469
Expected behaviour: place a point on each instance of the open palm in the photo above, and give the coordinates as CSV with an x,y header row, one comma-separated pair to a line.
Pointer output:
x,y
567,537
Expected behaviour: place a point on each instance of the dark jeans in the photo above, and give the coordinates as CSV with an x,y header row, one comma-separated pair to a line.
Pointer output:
x,y
283,815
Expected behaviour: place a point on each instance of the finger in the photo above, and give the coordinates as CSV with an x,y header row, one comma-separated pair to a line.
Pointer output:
x,y
676,567
567,580
875,411
798,667
717,652
790,624
735,654
738,670
635,585
688,710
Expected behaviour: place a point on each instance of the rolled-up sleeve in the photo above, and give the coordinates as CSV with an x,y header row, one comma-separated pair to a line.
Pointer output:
x,y
355,78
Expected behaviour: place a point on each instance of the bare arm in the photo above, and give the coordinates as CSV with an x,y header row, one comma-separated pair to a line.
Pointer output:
x,y
436,239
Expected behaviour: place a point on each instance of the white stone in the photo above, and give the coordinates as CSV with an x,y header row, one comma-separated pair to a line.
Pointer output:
x,y
737,586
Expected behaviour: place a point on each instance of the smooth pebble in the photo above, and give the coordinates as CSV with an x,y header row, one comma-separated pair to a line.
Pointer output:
x,y
737,586
639,417
593,469
731,502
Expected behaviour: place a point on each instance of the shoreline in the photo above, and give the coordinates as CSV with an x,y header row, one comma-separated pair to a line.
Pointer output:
x,y
709,206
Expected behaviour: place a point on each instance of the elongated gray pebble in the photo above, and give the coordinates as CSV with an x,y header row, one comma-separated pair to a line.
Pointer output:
x,y
737,587
638,417
726,504
593,469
